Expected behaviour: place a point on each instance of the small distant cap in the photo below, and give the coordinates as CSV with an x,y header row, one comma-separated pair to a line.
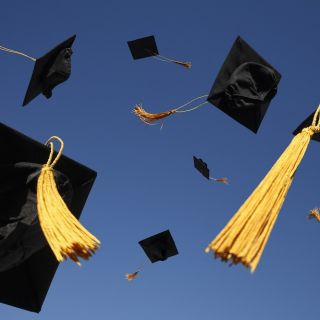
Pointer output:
x,y
201,166
159,247
50,70
143,47
245,85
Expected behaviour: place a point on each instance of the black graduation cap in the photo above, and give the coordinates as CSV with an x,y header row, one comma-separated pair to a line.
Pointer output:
x,y
143,47
27,264
245,85
201,166
146,47
50,70
159,247
306,123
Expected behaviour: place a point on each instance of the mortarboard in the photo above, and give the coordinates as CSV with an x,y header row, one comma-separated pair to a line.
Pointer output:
x,y
243,89
50,70
143,47
202,167
245,85
146,47
158,247
306,123
27,263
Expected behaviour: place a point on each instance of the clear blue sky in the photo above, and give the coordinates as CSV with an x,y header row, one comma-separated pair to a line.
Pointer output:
x,y
146,181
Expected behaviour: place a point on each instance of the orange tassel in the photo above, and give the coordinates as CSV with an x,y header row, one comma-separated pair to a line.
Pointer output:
x,y
314,213
186,64
223,180
131,276
150,117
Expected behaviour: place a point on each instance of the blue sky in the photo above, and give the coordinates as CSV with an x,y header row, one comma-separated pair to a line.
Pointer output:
x,y
146,181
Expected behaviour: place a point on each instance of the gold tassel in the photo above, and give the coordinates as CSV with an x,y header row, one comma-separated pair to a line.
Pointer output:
x,y
245,236
150,117
314,213
131,276
64,233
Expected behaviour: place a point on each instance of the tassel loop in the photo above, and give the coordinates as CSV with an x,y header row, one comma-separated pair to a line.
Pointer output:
x,y
316,118
51,163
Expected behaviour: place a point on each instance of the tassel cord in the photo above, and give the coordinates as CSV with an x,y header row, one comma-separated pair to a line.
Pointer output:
x,y
191,109
159,57
17,52
177,109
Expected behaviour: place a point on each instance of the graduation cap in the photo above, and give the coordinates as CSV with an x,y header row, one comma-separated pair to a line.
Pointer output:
x,y
306,123
146,47
202,167
158,247
27,261
245,236
245,85
50,70
243,89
